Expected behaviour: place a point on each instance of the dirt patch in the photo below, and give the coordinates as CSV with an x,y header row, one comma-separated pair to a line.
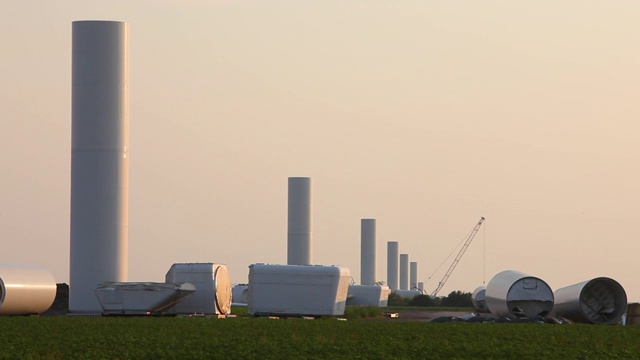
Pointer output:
x,y
422,315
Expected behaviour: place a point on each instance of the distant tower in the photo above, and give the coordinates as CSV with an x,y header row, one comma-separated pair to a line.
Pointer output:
x,y
392,265
99,160
367,251
413,275
300,224
404,271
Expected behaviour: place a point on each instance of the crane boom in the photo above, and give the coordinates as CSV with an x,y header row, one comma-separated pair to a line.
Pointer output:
x,y
455,262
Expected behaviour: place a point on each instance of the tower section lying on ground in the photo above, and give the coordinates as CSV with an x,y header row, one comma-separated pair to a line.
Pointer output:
x,y
478,299
512,294
25,289
597,301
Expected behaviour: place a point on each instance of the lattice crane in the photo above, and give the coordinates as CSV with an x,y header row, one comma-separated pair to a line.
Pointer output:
x,y
455,262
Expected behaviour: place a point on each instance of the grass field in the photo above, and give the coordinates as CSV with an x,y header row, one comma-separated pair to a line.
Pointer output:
x,y
259,338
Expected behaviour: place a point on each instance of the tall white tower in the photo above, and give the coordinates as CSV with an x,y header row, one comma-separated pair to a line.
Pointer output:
x,y
404,271
300,224
99,160
367,251
392,265
413,275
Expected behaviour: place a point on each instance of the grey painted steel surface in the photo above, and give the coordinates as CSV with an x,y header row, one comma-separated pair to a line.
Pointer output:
x,y
140,298
99,160
300,222
413,275
392,265
479,300
597,301
404,271
240,294
367,251
512,294
421,286
213,288
632,316
25,289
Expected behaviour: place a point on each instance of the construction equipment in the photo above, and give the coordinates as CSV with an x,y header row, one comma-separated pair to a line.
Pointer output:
x,y
455,262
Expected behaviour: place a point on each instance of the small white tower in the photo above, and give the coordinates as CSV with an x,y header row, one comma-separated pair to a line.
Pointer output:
x,y
404,271
367,251
392,265
300,222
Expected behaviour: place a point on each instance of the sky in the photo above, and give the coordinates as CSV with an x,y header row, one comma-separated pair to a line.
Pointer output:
x,y
425,115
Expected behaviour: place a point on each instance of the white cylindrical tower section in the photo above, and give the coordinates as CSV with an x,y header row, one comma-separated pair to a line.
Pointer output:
x,y
413,275
478,299
99,160
404,271
368,251
392,265
421,286
300,224
512,294
25,289
597,301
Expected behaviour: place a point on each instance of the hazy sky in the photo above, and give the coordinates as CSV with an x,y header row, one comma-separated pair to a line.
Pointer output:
x,y
425,115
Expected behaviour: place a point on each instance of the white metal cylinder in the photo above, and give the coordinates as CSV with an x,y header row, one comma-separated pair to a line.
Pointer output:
x,y
478,299
413,275
300,223
404,271
512,294
368,251
597,301
421,286
25,289
392,265
99,160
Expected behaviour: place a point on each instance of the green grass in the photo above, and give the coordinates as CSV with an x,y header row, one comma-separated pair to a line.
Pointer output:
x,y
363,312
351,312
261,338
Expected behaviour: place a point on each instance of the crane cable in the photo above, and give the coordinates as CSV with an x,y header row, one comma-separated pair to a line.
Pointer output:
x,y
448,256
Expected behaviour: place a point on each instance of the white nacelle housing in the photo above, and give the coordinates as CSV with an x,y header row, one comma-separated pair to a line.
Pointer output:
x,y
140,298
408,294
213,288
368,295
312,290
25,289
